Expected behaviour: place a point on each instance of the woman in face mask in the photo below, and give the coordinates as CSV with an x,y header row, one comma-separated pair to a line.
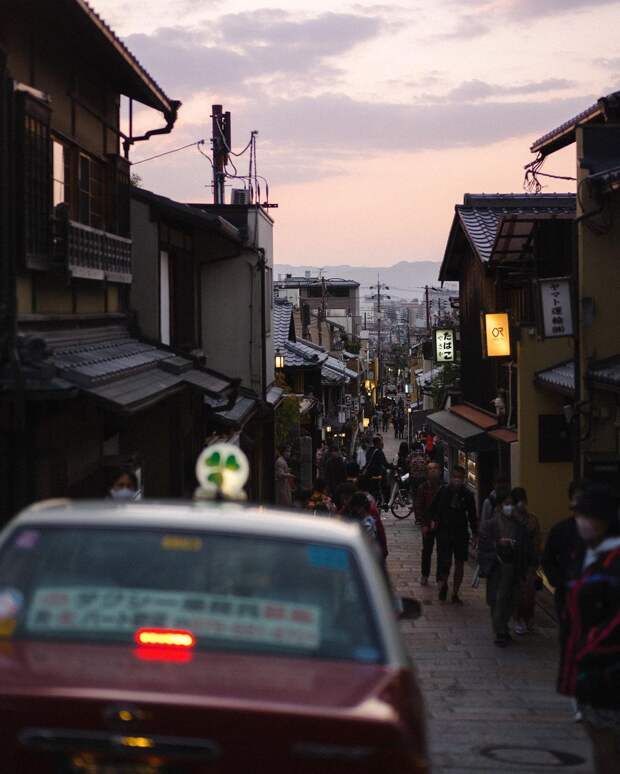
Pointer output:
x,y
503,557
524,616
125,487
590,667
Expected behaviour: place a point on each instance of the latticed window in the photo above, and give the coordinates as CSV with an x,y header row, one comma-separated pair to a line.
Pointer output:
x,y
36,188
91,198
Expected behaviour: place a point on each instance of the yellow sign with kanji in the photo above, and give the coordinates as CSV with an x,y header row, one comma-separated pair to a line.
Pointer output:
x,y
497,334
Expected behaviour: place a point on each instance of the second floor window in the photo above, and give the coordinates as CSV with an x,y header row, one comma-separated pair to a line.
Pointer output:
x,y
90,192
61,174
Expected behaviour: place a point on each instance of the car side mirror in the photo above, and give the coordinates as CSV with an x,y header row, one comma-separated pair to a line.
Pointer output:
x,y
411,609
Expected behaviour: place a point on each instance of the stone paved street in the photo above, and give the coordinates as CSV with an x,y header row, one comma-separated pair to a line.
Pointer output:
x,y
490,710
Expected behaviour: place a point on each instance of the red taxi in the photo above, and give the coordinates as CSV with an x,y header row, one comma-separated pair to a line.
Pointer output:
x,y
181,639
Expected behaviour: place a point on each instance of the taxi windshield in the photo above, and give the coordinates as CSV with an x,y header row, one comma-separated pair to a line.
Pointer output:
x,y
232,592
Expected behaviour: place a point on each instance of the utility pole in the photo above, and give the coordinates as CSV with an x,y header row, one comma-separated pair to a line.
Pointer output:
x,y
380,287
428,310
220,144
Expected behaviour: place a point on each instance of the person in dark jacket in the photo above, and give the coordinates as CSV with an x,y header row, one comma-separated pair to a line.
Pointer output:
x,y
590,666
506,551
564,551
335,471
452,516
424,497
376,466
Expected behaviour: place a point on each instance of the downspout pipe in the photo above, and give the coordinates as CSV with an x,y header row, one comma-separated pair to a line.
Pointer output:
x,y
171,118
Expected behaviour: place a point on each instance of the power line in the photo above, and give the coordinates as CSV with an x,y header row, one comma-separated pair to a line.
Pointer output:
x,y
197,143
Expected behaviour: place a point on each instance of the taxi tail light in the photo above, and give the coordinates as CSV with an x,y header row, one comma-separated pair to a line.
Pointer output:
x,y
164,638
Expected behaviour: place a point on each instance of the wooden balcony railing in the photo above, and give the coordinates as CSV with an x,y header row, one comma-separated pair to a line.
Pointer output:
x,y
90,253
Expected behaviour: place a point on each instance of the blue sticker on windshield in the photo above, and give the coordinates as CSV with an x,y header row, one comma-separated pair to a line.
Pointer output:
x,y
367,654
329,557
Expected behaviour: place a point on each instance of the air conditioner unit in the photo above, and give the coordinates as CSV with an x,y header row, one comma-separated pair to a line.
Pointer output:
x,y
240,196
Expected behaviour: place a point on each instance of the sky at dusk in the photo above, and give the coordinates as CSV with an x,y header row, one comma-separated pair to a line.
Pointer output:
x,y
373,119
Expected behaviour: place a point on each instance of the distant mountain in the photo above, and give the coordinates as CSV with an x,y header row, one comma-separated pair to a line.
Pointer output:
x,y
405,279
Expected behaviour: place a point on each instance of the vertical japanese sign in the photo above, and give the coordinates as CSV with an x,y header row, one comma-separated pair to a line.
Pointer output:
x,y
496,330
443,340
556,309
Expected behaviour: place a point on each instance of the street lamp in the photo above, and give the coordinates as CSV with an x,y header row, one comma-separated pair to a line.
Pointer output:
x,y
366,422
279,360
328,429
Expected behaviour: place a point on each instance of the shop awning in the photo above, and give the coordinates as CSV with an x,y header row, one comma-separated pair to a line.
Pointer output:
x,y
458,431
475,416
504,435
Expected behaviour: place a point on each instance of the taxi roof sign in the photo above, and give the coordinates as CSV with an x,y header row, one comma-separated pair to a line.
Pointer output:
x,y
222,469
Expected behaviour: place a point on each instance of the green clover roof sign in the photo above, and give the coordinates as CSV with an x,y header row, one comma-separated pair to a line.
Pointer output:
x,y
223,467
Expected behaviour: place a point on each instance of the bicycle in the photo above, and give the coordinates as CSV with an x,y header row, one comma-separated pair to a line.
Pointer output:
x,y
401,499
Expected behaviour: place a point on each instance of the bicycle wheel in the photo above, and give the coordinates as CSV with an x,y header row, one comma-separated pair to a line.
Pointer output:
x,y
402,507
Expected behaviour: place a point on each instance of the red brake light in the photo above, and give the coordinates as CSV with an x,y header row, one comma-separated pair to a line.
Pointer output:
x,y
164,638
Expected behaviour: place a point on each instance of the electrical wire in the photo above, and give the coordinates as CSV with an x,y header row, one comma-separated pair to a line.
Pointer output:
x,y
206,155
230,150
197,143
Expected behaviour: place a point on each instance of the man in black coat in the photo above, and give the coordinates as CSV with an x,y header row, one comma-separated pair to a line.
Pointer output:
x,y
452,515
564,551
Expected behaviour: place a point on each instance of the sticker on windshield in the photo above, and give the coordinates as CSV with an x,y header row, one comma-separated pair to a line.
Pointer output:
x,y
102,609
7,627
181,543
27,539
329,557
11,601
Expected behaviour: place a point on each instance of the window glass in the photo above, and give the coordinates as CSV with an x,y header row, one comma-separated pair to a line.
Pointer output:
x,y
234,593
59,173
91,192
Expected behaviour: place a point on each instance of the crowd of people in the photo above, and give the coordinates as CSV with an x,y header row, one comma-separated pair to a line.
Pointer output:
x,y
580,560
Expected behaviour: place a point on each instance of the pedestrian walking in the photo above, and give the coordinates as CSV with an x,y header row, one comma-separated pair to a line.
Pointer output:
x,y
501,487
402,460
590,665
526,601
418,472
564,551
504,557
401,424
376,467
360,454
425,494
453,515
335,470
320,459
284,478
386,421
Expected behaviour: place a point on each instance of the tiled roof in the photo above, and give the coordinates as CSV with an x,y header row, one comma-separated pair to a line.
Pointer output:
x,y
560,378
426,379
300,354
565,133
482,214
156,97
606,372
109,364
282,315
